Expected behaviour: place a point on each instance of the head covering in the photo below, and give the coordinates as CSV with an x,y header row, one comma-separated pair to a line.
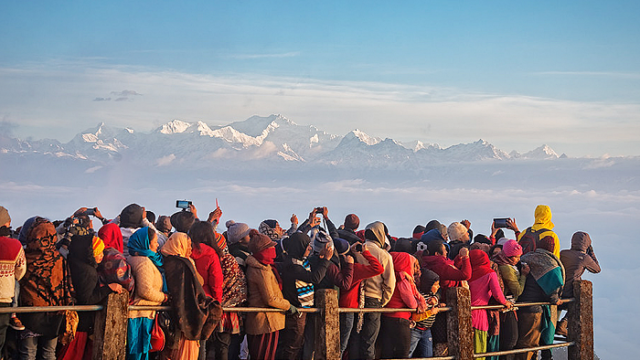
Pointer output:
x,y
428,278
405,245
505,256
182,221
164,224
456,231
431,235
547,243
131,216
266,256
418,231
112,236
375,232
543,218
4,216
268,227
98,246
236,231
25,230
480,264
262,247
480,246
433,224
481,239
512,248
45,282
320,239
342,246
351,222
580,241
296,245
260,242
402,262
502,241
139,246
178,244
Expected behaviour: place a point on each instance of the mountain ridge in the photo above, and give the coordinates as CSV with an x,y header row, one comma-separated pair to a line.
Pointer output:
x,y
272,139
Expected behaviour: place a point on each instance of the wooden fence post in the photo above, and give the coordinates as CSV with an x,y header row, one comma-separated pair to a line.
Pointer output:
x,y
328,325
580,326
459,328
110,328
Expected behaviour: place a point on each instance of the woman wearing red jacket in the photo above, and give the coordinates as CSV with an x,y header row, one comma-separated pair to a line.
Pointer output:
x,y
351,298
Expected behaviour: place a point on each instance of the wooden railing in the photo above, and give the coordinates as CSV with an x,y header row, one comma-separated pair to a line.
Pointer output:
x,y
111,324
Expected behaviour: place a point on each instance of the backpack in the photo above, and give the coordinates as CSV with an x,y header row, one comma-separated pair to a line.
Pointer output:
x,y
529,239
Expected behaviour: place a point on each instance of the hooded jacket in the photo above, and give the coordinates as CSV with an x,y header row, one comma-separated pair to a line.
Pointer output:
x,y
575,261
405,294
453,273
380,286
543,221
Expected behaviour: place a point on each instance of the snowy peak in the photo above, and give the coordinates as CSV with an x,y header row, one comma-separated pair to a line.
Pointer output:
x,y
543,152
257,126
361,137
174,127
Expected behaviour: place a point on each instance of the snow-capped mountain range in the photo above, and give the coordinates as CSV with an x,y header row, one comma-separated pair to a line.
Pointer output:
x,y
272,139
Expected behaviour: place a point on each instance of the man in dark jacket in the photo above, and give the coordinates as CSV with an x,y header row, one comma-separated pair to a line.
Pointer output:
x,y
348,232
298,282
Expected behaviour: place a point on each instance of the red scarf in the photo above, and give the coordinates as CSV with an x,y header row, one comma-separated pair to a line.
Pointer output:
x,y
480,264
266,256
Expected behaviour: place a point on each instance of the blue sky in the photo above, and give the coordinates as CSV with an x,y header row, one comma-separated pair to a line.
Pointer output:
x,y
438,71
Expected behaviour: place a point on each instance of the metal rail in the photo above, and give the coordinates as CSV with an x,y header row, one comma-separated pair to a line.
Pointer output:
x,y
431,358
226,309
497,307
520,351
35,309
383,310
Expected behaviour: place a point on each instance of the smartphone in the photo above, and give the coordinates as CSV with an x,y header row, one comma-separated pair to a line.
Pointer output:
x,y
359,248
90,211
183,204
500,222
319,210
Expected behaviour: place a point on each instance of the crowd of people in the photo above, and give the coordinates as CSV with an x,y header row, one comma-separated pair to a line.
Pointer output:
x,y
190,265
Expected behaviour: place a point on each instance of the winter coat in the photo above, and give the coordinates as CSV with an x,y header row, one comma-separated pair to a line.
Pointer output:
x,y
349,297
264,291
148,290
208,265
543,221
578,259
380,286
453,273
348,235
405,294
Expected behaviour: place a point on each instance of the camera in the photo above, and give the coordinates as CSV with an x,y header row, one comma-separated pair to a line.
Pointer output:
x,y
359,248
183,204
500,222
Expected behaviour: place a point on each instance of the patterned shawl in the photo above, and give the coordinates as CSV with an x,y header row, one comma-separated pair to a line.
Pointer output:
x,y
546,269
46,281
